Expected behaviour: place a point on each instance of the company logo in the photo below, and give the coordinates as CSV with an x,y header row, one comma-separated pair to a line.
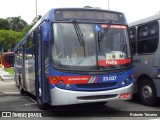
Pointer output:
x,y
6,114
21,114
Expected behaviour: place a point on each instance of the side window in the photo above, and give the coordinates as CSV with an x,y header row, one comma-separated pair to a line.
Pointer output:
x,y
132,37
29,48
19,52
148,38
18,58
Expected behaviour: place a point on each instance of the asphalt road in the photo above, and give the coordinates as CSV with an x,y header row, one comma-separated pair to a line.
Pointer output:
x,y
112,110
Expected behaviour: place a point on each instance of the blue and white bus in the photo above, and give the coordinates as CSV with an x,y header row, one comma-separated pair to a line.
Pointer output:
x,y
74,56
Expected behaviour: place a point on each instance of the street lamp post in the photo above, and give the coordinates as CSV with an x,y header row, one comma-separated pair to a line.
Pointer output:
x,y
108,4
36,8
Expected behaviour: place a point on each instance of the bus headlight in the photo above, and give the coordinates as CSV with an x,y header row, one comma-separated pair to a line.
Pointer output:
x,y
61,82
123,83
68,86
126,81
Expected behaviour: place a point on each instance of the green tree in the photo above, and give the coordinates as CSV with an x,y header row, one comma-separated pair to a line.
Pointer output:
x,y
17,28
28,27
4,24
16,23
9,38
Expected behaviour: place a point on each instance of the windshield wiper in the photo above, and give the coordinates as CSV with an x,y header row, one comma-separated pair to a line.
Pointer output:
x,y
125,46
79,35
103,34
78,32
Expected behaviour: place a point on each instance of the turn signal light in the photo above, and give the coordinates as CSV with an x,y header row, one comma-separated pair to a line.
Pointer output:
x,y
52,80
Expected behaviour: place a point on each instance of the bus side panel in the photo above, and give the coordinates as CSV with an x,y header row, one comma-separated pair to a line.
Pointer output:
x,y
157,84
16,76
23,80
147,66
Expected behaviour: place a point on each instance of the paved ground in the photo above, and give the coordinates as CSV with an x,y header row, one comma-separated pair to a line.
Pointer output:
x,y
7,83
8,86
5,75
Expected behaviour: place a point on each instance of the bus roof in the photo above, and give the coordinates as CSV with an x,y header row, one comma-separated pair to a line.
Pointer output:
x,y
145,20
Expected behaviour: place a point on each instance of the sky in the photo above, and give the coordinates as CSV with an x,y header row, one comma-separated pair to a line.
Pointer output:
x,y
133,9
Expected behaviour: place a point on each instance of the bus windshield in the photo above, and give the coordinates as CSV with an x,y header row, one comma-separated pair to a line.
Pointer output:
x,y
106,53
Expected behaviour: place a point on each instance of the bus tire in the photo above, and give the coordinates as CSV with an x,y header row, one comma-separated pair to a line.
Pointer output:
x,y
147,92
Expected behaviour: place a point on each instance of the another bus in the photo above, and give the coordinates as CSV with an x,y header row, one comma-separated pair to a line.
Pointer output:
x,y
144,36
74,56
7,59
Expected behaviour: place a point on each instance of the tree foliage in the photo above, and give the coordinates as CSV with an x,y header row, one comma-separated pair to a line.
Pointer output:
x,y
4,24
13,29
9,38
16,23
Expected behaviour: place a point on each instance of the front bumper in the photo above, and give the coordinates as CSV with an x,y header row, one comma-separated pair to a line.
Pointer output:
x,y
67,97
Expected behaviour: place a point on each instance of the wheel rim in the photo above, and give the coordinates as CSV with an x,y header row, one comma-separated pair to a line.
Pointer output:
x,y
147,92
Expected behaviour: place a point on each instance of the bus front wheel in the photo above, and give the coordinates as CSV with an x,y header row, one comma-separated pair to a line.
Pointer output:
x,y
147,92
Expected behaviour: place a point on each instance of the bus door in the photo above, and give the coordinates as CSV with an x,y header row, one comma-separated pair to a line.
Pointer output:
x,y
41,82
23,81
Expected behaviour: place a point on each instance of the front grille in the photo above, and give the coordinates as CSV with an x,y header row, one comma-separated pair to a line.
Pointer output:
x,y
97,85
97,97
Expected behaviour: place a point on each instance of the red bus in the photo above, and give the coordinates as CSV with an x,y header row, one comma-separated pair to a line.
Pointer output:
x,y
7,59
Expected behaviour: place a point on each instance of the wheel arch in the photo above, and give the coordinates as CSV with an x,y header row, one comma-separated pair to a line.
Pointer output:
x,y
142,77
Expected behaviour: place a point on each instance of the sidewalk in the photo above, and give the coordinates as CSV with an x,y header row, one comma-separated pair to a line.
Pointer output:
x,y
7,83
5,75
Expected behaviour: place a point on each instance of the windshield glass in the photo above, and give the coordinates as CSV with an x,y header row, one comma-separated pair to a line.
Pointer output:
x,y
67,50
69,53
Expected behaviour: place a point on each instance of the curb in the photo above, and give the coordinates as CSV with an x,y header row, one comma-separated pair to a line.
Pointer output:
x,y
7,77
9,93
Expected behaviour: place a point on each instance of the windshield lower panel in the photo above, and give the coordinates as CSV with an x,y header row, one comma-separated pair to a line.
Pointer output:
x,y
111,52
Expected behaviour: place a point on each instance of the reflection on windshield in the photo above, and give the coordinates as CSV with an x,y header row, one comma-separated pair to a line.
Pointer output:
x,y
67,53
114,49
